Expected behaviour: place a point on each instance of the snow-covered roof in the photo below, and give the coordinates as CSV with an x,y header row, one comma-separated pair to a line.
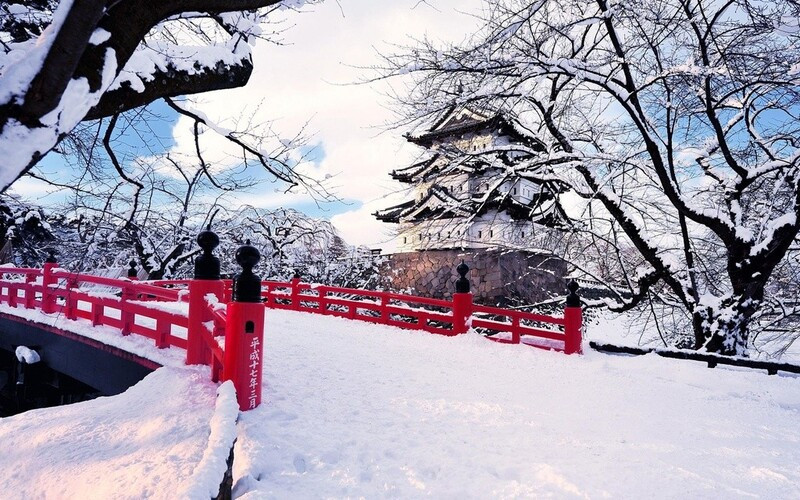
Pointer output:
x,y
437,203
458,120
411,173
440,203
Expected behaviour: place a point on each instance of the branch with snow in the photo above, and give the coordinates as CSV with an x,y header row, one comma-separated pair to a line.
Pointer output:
x,y
95,60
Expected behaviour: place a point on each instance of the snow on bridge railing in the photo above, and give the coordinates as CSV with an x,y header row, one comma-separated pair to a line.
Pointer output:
x,y
445,317
194,314
191,318
132,309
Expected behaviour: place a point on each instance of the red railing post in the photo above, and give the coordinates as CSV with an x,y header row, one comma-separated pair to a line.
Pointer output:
x,y
97,313
244,333
12,294
127,317
70,302
163,327
384,307
30,291
515,330
48,296
216,364
462,301
206,280
295,306
573,321
323,303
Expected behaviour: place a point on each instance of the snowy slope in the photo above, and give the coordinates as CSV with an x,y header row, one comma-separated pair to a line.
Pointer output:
x,y
159,439
358,410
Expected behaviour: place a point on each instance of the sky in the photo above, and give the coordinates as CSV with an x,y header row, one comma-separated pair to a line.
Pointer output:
x,y
312,81
312,78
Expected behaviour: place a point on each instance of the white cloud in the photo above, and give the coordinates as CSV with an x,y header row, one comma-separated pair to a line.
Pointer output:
x,y
307,81
31,189
360,226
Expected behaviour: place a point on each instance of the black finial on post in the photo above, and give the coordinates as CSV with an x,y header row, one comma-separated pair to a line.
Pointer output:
x,y
51,256
573,299
246,285
206,266
296,274
132,272
462,283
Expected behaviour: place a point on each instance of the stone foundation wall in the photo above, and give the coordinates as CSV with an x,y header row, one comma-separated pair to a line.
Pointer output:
x,y
495,275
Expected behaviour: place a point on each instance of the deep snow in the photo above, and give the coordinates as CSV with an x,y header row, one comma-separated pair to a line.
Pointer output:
x,y
357,410
166,437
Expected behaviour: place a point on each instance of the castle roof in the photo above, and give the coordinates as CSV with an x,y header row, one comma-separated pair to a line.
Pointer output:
x,y
437,164
461,119
439,203
416,171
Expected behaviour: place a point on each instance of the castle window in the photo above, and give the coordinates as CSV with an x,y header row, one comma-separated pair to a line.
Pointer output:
x,y
405,239
480,233
491,233
514,191
522,235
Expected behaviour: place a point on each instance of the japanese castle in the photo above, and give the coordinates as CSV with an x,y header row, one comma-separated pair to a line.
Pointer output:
x,y
463,197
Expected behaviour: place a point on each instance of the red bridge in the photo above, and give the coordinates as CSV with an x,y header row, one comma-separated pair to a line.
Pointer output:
x,y
220,323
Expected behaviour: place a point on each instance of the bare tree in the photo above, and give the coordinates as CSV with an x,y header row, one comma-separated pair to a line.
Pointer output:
x,y
675,121
65,62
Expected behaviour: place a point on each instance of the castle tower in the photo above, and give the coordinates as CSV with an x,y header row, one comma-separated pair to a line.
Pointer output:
x,y
468,203
464,204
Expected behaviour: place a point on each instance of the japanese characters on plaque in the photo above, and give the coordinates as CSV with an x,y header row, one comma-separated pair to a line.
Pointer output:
x,y
255,367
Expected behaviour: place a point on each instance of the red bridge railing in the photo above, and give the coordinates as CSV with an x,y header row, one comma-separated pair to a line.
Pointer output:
x,y
445,317
192,318
119,303
194,314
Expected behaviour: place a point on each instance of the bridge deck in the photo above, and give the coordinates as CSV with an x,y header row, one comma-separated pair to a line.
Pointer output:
x,y
163,438
355,410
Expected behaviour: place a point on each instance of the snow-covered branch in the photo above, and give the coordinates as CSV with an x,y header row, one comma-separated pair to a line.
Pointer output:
x,y
92,59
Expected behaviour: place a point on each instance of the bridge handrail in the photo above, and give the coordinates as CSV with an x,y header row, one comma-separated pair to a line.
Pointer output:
x,y
519,324
374,306
126,284
20,270
387,308
402,310
51,296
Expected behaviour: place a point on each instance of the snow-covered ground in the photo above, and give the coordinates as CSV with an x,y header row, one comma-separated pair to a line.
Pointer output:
x,y
166,437
358,410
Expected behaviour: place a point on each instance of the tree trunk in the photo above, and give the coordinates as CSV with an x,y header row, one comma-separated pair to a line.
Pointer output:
x,y
725,329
